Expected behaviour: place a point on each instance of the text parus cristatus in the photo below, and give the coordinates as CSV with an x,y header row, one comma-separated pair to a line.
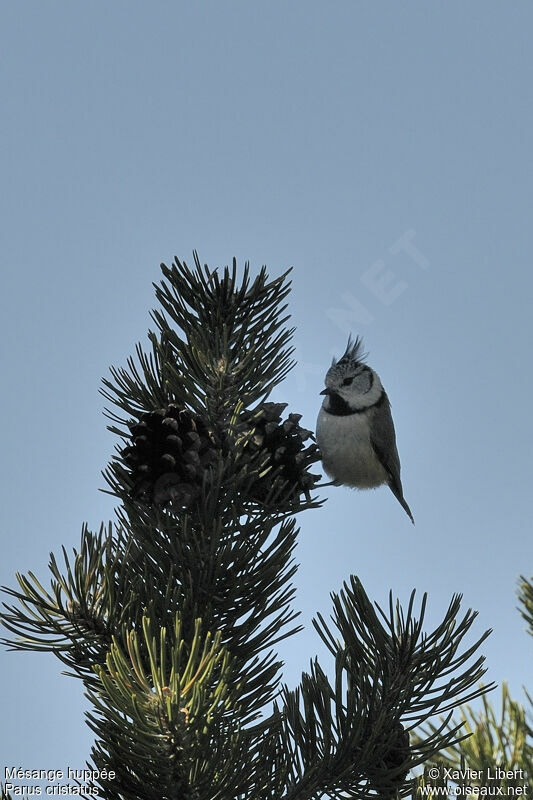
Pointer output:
x,y
355,431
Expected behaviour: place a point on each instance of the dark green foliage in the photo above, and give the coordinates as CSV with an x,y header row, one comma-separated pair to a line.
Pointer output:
x,y
232,350
350,736
171,615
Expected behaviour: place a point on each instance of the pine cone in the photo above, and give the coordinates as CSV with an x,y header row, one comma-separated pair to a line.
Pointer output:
x,y
286,458
171,450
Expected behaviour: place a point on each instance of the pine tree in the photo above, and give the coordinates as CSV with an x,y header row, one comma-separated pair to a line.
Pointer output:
x,y
171,615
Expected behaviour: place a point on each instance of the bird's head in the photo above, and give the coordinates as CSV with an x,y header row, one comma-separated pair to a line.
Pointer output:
x,y
351,385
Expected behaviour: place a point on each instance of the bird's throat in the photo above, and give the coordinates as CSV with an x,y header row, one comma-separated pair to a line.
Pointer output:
x,y
340,408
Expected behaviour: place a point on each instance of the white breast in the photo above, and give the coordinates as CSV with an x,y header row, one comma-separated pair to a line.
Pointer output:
x,y
347,454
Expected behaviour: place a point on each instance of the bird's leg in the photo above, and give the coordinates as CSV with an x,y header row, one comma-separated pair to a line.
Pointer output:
x,y
331,483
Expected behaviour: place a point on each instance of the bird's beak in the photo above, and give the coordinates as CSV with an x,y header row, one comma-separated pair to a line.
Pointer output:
x,y
326,391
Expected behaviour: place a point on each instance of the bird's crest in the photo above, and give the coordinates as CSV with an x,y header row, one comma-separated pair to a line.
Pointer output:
x,y
353,352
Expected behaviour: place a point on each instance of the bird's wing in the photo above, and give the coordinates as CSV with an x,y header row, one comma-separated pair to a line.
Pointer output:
x,y
383,440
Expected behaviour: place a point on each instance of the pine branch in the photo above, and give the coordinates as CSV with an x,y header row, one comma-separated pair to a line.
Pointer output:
x,y
166,717
351,736
235,349
77,617
525,595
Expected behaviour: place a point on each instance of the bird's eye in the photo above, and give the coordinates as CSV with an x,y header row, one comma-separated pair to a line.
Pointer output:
x,y
347,381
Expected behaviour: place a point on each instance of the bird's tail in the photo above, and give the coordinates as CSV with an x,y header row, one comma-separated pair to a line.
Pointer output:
x,y
398,494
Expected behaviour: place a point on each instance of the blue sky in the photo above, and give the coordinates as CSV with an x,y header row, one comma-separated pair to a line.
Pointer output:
x,y
384,151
